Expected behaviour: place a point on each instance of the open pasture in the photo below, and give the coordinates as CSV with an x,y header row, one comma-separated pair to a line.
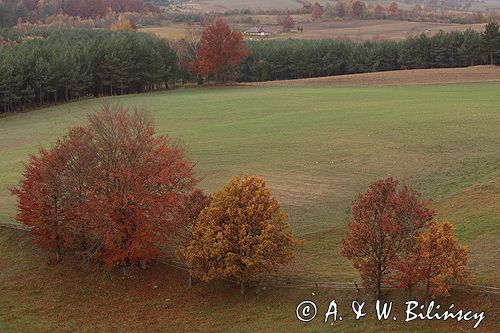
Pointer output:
x,y
317,147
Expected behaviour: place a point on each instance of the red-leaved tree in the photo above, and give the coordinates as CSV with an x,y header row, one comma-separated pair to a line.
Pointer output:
x,y
139,182
220,51
372,237
413,216
316,11
41,198
382,233
110,191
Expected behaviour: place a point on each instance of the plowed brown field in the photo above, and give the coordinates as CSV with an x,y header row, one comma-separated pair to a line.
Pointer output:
x,y
401,77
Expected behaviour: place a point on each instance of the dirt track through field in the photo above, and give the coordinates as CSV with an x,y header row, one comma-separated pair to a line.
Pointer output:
x,y
401,77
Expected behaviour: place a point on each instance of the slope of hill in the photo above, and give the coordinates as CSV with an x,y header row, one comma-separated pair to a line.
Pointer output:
x,y
316,146
402,77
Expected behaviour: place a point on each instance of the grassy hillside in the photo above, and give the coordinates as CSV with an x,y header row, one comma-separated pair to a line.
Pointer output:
x,y
317,147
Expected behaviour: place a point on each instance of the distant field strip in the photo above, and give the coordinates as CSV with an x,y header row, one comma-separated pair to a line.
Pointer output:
x,y
400,77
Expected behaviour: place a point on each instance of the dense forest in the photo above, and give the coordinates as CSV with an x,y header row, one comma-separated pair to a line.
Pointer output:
x,y
293,59
48,66
53,65
12,11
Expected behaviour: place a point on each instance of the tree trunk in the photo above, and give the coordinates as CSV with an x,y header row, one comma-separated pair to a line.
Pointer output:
x,y
242,288
58,254
378,280
427,290
379,287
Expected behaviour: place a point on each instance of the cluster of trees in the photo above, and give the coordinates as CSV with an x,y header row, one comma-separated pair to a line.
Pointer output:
x,y
62,20
357,9
99,8
61,65
108,191
394,239
293,59
13,11
114,193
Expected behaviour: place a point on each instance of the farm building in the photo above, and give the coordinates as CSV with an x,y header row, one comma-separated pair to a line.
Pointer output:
x,y
258,31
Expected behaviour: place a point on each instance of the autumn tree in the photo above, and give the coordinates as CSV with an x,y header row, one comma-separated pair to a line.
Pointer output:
x,y
122,24
110,191
412,218
379,11
393,9
140,181
41,198
439,259
190,208
316,11
381,237
357,8
219,52
243,232
372,240
287,22
79,178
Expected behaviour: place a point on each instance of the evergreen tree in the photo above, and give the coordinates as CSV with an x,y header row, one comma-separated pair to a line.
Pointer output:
x,y
491,41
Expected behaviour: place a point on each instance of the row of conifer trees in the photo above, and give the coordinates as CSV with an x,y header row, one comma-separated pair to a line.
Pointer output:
x,y
62,65
293,59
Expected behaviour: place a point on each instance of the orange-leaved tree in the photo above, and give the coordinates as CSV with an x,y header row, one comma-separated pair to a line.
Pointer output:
x,y
220,51
243,232
122,24
440,259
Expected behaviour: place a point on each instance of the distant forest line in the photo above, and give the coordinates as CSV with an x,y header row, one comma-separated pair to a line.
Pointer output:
x,y
296,59
49,66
